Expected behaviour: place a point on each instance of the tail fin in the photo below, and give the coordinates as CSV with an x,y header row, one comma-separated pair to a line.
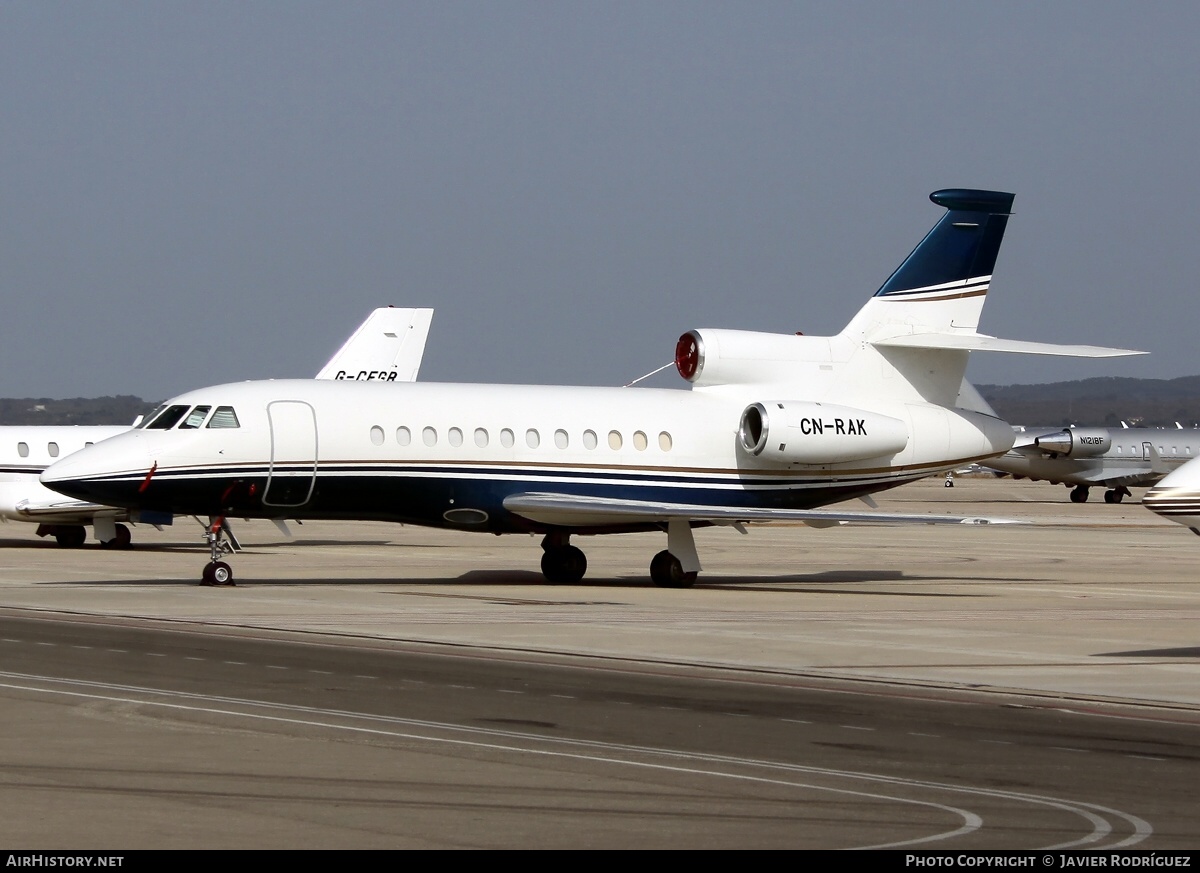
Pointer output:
x,y
941,286
938,290
387,347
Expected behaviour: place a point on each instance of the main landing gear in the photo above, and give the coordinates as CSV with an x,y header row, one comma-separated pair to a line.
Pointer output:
x,y
1116,495
221,541
675,567
1079,494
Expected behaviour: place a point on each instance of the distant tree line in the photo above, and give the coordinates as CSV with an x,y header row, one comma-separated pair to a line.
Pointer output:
x,y
122,409
1100,402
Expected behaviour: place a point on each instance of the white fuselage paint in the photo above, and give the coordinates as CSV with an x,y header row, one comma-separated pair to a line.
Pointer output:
x,y
447,454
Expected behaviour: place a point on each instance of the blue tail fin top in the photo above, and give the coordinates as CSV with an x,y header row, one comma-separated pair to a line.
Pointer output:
x,y
962,246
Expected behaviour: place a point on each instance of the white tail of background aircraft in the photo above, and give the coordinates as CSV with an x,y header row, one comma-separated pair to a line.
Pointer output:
x,y
774,426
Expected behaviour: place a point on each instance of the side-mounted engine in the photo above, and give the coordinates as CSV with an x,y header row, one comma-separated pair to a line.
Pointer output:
x,y
1076,442
804,432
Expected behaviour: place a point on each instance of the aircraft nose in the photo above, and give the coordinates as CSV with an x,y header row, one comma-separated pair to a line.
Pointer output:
x,y
1177,503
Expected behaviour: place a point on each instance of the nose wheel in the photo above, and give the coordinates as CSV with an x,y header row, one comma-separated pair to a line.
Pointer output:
x,y
221,542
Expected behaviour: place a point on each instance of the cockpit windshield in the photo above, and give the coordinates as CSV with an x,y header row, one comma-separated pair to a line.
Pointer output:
x,y
167,417
195,417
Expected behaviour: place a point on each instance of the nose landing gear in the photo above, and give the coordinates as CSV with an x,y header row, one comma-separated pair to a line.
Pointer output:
x,y
221,541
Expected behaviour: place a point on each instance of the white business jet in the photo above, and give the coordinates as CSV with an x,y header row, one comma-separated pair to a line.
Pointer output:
x,y
773,426
388,347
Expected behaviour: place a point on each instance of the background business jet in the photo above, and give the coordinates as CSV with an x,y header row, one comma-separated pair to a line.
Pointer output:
x,y
773,426
388,346
1109,457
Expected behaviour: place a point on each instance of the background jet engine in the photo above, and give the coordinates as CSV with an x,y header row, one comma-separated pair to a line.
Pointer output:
x,y
1076,442
803,432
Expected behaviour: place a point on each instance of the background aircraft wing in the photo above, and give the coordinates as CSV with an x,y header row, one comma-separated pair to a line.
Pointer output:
x,y
568,510
63,506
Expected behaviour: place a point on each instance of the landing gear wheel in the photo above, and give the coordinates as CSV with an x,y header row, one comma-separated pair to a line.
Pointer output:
x,y
123,539
1079,494
71,536
1113,496
563,565
666,571
218,574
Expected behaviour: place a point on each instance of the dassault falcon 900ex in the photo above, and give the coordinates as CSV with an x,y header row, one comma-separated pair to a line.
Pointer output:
x,y
774,426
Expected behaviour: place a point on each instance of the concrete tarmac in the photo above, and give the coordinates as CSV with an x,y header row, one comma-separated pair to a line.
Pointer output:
x,y
1095,602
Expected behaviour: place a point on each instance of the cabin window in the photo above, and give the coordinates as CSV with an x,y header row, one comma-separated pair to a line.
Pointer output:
x,y
507,438
664,441
403,436
1120,451
532,438
481,437
23,449
195,418
429,436
454,435
639,441
590,440
376,435
224,417
168,418
614,439
561,439
52,448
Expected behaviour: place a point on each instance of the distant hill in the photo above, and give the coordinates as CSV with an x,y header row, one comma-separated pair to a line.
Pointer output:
x,y
77,410
1105,401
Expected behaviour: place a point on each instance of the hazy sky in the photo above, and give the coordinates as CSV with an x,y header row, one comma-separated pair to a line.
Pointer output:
x,y
193,193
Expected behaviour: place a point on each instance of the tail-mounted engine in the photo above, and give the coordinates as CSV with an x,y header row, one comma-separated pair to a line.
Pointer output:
x,y
1076,442
803,432
723,357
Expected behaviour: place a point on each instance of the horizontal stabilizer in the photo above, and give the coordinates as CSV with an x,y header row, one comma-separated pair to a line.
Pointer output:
x,y
569,510
979,342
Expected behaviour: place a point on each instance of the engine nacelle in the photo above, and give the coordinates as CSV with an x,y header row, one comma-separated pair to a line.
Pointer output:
x,y
1076,442
804,432
723,357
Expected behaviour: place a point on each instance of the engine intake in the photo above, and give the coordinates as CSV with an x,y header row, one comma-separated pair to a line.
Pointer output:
x,y
803,432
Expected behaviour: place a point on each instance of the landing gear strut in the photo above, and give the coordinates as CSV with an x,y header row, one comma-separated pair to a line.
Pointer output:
x,y
679,564
220,542
122,538
562,563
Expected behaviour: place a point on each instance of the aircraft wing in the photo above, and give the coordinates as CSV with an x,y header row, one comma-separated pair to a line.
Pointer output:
x,y
569,510
1112,476
979,342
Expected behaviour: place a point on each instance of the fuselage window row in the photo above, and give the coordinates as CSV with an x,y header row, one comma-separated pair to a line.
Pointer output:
x,y
533,438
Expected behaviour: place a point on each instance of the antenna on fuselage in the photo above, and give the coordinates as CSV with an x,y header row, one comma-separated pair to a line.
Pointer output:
x,y
648,375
